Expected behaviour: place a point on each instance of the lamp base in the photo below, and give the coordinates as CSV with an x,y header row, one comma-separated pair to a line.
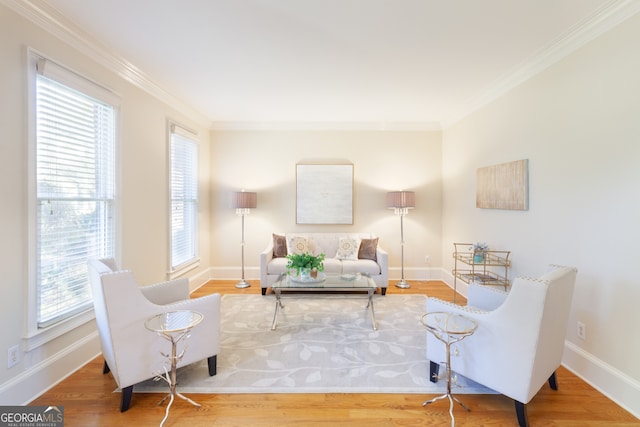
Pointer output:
x,y
242,284
403,284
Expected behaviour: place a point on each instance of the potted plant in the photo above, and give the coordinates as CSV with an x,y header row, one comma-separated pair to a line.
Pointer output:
x,y
479,250
305,264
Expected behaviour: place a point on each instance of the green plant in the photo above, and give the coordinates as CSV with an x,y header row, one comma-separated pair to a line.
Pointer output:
x,y
299,261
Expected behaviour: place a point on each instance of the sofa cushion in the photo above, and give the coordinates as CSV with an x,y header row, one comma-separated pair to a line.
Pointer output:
x,y
368,249
360,266
297,245
279,246
348,248
332,266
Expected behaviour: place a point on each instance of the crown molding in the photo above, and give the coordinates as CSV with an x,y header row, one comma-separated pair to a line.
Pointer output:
x,y
602,20
48,18
329,126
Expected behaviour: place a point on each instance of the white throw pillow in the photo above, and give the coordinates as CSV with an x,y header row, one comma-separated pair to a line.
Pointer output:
x,y
297,245
348,248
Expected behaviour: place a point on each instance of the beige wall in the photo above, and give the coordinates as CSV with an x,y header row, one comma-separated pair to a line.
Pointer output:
x,y
265,162
143,200
578,124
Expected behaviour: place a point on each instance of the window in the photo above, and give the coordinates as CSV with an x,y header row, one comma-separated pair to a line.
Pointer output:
x,y
74,190
184,199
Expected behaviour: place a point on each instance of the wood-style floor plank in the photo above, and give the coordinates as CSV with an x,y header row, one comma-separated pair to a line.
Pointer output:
x,y
89,400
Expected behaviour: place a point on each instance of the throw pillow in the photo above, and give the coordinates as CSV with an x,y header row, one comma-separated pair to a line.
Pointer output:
x,y
368,249
348,248
279,246
298,245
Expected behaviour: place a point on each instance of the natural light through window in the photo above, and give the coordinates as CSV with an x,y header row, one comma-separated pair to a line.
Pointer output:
x,y
75,191
184,199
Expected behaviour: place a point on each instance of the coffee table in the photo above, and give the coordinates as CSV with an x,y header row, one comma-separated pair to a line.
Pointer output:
x,y
332,284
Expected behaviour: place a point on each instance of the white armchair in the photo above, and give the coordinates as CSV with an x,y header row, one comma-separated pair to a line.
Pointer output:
x,y
131,352
520,337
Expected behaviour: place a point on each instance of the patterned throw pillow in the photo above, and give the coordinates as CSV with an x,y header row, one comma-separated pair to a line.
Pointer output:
x,y
348,248
368,249
279,246
297,245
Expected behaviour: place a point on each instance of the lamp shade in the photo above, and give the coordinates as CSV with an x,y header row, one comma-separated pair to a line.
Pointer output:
x,y
401,199
244,200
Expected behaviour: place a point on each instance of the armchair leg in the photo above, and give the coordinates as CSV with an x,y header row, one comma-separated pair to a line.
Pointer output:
x,y
521,412
127,393
213,365
264,291
384,291
521,408
105,368
434,368
553,381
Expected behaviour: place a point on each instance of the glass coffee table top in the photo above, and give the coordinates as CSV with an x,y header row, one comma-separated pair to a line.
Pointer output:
x,y
329,284
326,281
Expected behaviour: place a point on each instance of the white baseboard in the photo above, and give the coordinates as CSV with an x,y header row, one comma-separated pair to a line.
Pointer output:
x,y
28,385
413,273
234,273
199,279
616,385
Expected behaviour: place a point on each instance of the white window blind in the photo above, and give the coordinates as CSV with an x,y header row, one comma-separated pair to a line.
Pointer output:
x,y
184,198
75,191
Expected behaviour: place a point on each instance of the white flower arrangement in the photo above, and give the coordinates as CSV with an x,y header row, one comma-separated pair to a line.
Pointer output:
x,y
480,247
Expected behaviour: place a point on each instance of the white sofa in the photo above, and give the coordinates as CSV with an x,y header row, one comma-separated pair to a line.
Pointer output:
x,y
271,265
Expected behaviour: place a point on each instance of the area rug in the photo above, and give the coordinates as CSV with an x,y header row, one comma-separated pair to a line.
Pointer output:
x,y
321,345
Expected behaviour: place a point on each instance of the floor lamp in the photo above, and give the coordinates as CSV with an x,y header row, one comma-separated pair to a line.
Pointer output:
x,y
401,202
243,202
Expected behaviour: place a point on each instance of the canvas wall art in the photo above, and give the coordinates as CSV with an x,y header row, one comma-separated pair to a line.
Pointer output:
x,y
503,186
324,194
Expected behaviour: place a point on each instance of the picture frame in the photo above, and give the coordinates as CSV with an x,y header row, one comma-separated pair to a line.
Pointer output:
x,y
503,186
324,193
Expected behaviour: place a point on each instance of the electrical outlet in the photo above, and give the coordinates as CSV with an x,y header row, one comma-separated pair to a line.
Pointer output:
x,y
427,259
581,330
13,356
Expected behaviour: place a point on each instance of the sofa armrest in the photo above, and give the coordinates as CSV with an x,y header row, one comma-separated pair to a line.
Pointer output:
x,y
265,258
383,261
167,292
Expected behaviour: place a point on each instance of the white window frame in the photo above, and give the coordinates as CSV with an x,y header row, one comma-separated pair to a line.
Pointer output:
x,y
36,335
178,134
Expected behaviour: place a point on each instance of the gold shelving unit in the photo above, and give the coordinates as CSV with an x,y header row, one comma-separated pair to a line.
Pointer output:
x,y
485,268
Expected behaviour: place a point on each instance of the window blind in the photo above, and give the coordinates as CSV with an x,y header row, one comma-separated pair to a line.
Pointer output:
x,y
75,192
184,198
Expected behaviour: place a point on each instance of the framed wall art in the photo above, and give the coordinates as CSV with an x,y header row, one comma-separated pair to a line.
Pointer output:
x,y
503,186
324,193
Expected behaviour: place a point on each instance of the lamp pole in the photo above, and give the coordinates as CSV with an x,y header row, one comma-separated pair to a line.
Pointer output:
x,y
401,202
243,202
242,283
403,284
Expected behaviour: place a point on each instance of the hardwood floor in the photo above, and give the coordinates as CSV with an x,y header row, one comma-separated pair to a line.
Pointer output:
x,y
89,400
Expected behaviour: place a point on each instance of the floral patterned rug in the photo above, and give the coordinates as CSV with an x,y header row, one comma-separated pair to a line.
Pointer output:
x,y
321,345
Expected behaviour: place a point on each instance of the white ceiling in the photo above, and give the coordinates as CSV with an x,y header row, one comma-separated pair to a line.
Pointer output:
x,y
384,63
